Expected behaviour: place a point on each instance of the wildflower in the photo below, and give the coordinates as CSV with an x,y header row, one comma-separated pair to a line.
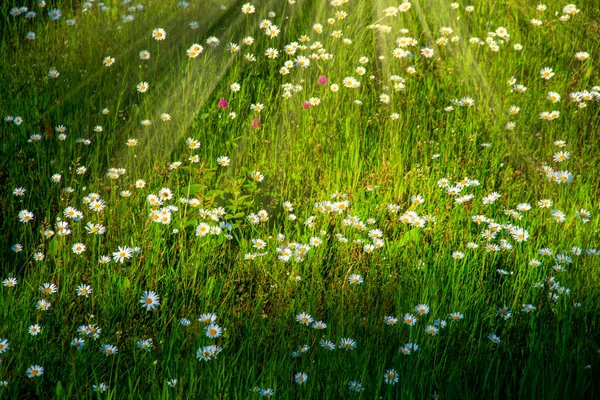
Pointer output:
x,y
494,338
108,61
150,300
4,345
390,377
213,331
546,73
109,349
222,103
300,378
25,216
48,288
432,330
248,9
456,316
355,386
409,319
223,161
159,34
207,353
427,52
347,344
122,254
529,308
142,87
34,371
422,309
34,330
144,344
84,290
100,388
10,282
319,325
304,318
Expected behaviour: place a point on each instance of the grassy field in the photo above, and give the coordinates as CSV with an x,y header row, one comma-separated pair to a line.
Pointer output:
x,y
300,199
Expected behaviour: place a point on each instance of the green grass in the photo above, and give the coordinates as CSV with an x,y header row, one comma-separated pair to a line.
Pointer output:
x,y
305,155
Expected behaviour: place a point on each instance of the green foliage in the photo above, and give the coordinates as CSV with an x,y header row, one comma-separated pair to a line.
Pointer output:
x,y
348,145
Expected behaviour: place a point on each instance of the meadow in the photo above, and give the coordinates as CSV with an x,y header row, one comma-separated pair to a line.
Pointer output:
x,y
299,199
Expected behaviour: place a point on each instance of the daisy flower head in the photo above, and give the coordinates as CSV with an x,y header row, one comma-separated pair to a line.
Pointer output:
x,y
223,161
300,378
34,330
546,73
422,309
456,316
100,388
431,330
159,34
78,248
214,331
122,254
319,325
25,216
142,87
55,14
355,386
347,344
304,318
109,349
9,282
272,31
144,344
248,9
409,319
207,318
207,353
390,377
427,52
4,345
34,371
494,338
150,300
84,290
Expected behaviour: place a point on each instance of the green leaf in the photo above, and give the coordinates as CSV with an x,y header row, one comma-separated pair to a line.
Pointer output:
x,y
238,215
192,223
194,189
411,236
215,193
52,248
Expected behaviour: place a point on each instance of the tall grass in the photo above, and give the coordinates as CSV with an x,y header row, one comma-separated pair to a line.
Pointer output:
x,y
347,144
